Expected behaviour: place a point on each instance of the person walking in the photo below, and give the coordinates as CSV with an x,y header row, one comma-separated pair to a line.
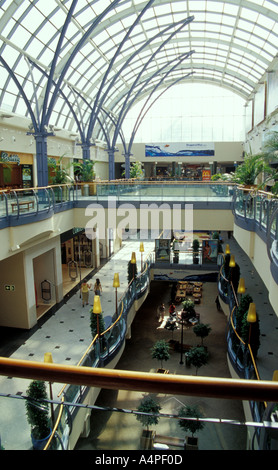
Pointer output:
x,y
161,312
97,287
85,288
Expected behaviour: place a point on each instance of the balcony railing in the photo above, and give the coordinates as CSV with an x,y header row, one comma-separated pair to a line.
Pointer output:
x,y
21,204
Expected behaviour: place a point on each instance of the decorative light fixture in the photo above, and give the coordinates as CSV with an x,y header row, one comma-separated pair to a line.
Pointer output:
x,y
232,263
133,262
116,281
241,286
97,310
141,251
227,250
252,316
97,305
275,376
116,284
49,360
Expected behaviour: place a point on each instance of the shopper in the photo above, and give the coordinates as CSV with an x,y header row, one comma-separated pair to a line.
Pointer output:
x,y
85,288
161,312
97,287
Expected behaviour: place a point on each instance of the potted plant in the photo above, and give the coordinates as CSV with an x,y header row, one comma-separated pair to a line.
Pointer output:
x,y
247,172
38,414
191,425
160,351
135,170
151,408
195,248
60,174
188,306
202,331
131,271
197,356
86,173
96,322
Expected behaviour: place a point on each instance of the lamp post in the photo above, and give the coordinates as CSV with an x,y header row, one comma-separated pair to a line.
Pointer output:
x,y
227,250
182,323
133,262
251,317
116,284
241,287
232,262
142,251
97,310
48,360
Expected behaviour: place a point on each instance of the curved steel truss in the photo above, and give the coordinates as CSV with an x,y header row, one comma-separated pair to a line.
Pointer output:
x,y
81,64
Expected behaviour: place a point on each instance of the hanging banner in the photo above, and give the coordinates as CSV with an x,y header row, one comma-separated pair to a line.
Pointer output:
x,y
202,149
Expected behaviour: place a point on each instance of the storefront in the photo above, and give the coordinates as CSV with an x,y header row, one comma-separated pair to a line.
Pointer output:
x,y
16,170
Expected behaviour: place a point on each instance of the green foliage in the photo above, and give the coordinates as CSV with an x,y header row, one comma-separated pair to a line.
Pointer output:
x,y
135,170
234,276
202,330
160,351
193,426
131,271
148,405
241,311
93,323
248,171
198,357
61,174
253,334
38,412
85,170
243,326
188,306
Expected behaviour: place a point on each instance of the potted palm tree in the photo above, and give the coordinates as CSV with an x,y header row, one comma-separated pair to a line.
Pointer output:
x,y
37,412
86,173
160,351
191,425
247,172
150,416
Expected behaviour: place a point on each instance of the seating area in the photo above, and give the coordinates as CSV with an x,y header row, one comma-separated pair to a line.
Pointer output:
x,y
189,288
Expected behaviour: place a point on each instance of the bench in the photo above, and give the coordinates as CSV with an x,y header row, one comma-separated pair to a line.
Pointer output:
x,y
22,205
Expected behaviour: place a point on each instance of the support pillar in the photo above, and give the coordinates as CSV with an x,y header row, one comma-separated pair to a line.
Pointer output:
x,y
111,156
41,157
86,154
127,165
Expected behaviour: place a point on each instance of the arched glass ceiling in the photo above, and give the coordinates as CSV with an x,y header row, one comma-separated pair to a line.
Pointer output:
x,y
234,44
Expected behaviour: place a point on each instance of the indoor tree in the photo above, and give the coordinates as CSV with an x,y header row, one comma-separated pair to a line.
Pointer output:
x,y
160,351
191,425
198,357
202,331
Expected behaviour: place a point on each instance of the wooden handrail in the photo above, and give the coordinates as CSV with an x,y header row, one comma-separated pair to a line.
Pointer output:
x,y
211,387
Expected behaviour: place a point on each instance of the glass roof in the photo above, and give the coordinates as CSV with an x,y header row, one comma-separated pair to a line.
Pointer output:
x,y
74,58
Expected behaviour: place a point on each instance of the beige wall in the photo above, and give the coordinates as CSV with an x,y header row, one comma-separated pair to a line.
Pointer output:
x,y
14,304
256,249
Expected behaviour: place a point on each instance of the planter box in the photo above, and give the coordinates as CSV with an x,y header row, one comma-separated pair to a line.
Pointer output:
x,y
162,371
191,443
147,439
